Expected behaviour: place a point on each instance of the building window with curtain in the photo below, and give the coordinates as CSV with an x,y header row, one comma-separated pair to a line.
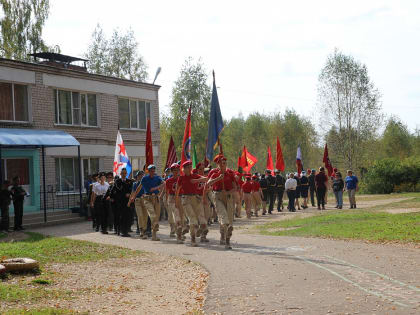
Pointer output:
x,y
75,108
133,114
67,174
14,102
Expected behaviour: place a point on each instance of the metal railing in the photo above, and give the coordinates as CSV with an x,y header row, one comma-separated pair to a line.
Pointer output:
x,y
61,200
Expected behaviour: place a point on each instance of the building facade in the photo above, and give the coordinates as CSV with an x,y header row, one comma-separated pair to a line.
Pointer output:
x,y
89,107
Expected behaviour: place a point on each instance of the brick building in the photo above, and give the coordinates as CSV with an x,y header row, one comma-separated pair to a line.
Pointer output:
x,y
59,95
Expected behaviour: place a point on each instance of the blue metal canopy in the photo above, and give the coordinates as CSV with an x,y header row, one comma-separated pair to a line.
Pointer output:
x,y
10,137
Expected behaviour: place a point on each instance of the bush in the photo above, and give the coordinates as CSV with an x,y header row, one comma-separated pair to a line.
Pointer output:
x,y
392,175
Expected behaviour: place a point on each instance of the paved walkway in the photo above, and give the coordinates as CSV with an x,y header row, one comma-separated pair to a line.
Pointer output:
x,y
282,275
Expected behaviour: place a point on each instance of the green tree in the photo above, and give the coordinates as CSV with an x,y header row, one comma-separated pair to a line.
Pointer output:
x,y
396,139
117,56
190,89
21,28
350,105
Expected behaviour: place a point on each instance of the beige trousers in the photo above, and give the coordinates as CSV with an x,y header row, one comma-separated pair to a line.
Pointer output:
x,y
152,205
193,209
141,214
224,207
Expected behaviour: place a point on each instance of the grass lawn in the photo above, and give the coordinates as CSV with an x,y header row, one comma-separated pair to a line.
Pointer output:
x,y
49,250
366,225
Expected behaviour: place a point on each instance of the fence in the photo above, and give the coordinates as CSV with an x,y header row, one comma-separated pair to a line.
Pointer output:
x,y
62,200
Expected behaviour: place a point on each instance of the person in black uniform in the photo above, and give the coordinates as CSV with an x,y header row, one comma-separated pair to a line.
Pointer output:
x,y
111,197
304,186
97,202
312,187
297,196
280,181
264,189
5,199
18,194
271,181
123,188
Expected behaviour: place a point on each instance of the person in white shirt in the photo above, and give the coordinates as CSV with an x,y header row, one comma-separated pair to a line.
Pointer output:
x,y
290,187
99,190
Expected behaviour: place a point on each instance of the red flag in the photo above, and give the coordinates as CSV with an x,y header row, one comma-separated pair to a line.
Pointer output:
x,y
279,157
270,161
327,161
250,160
149,145
186,143
242,162
171,157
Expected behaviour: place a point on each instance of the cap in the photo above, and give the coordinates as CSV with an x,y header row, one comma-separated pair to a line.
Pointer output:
x,y
268,171
277,171
187,163
309,170
102,174
218,158
151,166
110,174
313,171
174,165
335,169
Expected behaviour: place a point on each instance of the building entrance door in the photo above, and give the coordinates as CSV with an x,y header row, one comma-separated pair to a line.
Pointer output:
x,y
12,167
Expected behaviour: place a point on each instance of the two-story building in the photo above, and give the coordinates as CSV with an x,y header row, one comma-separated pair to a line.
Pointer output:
x,y
57,94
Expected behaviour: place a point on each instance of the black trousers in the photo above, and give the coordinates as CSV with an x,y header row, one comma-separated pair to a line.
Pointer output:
x,y
125,216
312,193
101,211
271,198
265,195
320,196
4,223
18,209
116,216
280,194
291,194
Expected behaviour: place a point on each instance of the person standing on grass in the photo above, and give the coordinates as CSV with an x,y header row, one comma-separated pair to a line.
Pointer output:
x,y
5,199
321,182
338,187
312,187
18,194
352,185
290,187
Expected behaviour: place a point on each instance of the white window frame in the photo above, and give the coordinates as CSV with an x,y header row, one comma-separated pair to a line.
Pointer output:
x,y
57,118
13,103
137,102
74,191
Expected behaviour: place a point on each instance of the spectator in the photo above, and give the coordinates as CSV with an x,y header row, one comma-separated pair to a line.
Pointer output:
x,y
321,181
338,187
290,186
352,185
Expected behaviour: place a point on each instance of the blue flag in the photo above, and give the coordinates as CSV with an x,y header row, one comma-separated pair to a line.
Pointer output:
x,y
215,123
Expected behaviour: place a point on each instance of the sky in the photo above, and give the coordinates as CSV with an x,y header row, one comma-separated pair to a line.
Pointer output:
x,y
267,55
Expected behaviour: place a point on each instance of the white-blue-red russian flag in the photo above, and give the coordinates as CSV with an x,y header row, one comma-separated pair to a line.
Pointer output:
x,y
299,160
121,159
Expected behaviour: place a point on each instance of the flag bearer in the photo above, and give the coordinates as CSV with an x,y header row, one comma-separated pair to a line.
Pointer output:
x,y
223,183
151,183
123,187
173,210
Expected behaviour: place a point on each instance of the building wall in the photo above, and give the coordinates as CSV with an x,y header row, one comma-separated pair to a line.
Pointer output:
x,y
96,141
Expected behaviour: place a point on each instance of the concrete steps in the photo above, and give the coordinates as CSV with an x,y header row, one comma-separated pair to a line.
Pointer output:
x,y
33,220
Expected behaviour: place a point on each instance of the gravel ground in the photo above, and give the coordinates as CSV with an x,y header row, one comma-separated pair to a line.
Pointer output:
x,y
285,275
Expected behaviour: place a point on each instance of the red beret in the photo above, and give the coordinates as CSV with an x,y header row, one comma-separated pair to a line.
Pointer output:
x,y
174,165
186,163
219,158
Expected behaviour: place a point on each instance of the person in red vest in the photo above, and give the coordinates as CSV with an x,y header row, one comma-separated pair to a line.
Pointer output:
x,y
187,189
223,182
256,194
247,189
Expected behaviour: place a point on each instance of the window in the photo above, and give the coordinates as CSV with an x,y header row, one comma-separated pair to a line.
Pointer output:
x,y
133,114
67,174
15,167
90,166
13,102
74,108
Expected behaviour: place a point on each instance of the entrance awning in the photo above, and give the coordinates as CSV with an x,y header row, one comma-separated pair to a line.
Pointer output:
x,y
25,138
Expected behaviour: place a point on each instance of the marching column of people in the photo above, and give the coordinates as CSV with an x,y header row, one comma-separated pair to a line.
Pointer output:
x,y
194,198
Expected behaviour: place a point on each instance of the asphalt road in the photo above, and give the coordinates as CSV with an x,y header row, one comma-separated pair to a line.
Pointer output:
x,y
288,275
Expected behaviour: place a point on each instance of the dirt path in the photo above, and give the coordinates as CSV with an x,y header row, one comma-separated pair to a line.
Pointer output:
x,y
282,275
